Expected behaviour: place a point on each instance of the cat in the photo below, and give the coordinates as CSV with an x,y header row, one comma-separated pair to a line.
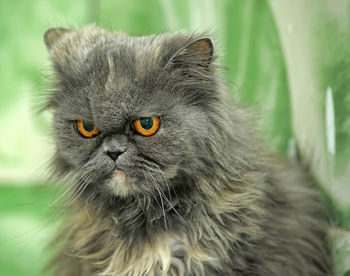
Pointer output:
x,y
169,178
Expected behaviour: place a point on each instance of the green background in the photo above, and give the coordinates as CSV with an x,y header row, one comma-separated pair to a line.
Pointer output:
x,y
281,57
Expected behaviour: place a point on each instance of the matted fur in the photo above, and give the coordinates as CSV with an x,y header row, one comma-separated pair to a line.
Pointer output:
x,y
200,197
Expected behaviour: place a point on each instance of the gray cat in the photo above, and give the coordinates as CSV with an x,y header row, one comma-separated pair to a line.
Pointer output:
x,y
169,179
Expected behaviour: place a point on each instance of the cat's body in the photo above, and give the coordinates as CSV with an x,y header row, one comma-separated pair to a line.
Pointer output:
x,y
196,197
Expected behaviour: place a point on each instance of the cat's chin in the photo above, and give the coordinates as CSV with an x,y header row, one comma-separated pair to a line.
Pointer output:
x,y
119,184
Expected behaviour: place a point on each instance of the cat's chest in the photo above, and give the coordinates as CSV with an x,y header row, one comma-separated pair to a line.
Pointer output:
x,y
165,254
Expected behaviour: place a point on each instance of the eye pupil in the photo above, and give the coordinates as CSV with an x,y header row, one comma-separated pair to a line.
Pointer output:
x,y
146,122
88,126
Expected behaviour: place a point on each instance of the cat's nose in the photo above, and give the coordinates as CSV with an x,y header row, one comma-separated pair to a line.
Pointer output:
x,y
114,154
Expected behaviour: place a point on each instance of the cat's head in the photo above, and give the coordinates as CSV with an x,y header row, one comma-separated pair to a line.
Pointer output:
x,y
133,114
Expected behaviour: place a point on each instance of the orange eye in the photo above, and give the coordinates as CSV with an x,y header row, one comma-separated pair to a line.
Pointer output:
x,y
147,126
87,130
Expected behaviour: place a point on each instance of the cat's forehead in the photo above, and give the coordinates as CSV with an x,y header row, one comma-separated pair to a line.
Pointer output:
x,y
125,74
126,84
132,61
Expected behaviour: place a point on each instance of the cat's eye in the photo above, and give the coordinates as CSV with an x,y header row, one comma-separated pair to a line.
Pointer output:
x,y
86,129
146,126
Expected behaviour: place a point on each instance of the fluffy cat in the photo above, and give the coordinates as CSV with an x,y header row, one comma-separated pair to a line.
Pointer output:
x,y
168,177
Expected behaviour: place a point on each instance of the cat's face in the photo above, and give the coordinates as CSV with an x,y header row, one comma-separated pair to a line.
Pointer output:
x,y
145,101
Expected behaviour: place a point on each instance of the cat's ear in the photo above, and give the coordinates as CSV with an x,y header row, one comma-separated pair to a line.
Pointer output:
x,y
198,53
53,35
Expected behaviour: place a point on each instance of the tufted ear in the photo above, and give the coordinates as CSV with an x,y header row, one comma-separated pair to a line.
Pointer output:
x,y
53,35
199,52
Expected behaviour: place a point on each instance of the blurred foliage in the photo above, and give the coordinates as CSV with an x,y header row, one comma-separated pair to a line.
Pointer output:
x,y
335,73
26,230
244,31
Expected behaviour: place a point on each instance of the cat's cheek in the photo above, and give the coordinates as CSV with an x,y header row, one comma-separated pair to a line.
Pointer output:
x,y
74,153
73,148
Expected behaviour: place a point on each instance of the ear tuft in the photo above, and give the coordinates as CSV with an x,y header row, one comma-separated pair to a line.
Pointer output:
x,y
53,35
202,49
197,53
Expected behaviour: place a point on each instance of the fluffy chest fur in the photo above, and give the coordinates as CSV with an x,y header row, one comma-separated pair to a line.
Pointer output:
x,y
183,245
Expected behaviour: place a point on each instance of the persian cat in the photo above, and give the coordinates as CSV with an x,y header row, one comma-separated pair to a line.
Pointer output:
x,y
168,177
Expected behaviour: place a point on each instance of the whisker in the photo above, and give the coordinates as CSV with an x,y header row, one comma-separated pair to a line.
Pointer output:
x,y
153,195
152,166
84,182
161,199
164,196
168,201
59,184
166,181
